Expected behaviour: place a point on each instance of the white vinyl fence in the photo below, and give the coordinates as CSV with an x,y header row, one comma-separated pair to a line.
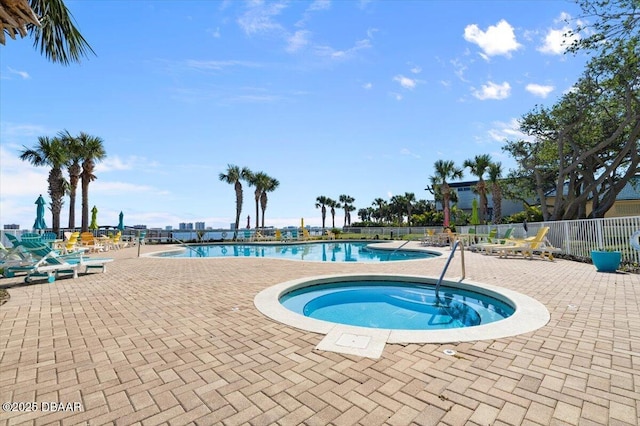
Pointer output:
x,y
574,237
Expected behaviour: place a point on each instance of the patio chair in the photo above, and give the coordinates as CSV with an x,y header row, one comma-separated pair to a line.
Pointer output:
x,y
492,241
47,263
429,238
90,242
330,235
278,235
526,247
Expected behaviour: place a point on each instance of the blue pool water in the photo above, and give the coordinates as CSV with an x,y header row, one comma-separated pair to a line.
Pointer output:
x,y
320,251
395,305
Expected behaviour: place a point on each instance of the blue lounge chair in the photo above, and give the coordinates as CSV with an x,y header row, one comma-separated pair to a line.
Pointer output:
x,y
47,263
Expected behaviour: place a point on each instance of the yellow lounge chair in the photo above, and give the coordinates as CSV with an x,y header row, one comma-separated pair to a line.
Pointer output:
x,y
527,247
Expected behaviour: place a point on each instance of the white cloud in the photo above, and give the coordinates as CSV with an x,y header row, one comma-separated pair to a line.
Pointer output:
x,y
499,39
458,69
259,17
502,131
406,82
492,90
539,90
416,70
555,42
320,5
405,151
367,86
297,41
343,54
23,74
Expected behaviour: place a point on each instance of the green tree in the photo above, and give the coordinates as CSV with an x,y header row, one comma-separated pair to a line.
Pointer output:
x,y
409,199
444,170
74,169
258,180
379,209
321,203
345,204
271,185
51,26
333,204
50,152
91,150
233,176
478,167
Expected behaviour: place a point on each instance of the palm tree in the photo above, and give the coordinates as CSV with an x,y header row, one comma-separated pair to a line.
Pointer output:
x,y
397,205
332,204
348,209
379,212
409,198
74,169
91,150
50,152
345,203
271,185
479,166
233,176
321,203
259,181
445,170
50,24
495,171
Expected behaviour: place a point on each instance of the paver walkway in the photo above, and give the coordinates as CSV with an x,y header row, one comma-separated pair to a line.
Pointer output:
x,y
178,341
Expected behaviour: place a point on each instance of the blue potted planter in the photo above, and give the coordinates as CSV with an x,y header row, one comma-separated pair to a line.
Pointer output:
x,y
606,261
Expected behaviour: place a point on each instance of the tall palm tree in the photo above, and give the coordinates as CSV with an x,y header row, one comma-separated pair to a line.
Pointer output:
x,y
332,205
444,171
50,24
409,198
258,180
74,156
233,176
345,203
271,185
321,203
91,150
495,172
397,205
379,212
50,152
478,167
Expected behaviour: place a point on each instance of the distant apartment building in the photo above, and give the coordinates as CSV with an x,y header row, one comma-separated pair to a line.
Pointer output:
x,y
11,226
185,226
168,228
199,226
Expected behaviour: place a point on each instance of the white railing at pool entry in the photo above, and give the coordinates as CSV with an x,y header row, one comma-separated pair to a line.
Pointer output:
x,y
446,265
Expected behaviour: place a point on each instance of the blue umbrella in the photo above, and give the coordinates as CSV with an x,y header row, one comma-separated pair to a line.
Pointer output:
x,y
39,223
121,222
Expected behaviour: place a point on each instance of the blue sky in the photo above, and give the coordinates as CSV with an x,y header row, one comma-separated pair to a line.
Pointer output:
x,y
329,97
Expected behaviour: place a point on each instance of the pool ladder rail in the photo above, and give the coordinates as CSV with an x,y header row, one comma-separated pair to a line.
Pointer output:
x,y
457,244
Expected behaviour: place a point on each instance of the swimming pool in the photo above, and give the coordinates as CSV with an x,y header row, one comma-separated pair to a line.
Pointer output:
x,y
396,305
527,313
311,251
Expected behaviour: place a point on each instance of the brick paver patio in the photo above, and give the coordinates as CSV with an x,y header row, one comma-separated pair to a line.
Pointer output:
x,y
178,341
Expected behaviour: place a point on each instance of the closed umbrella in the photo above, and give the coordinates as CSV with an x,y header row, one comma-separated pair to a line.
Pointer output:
x,y
94,218
121,222
39,223
475,220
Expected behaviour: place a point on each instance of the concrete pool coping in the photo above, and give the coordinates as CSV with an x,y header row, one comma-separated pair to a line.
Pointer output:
x,y
529,315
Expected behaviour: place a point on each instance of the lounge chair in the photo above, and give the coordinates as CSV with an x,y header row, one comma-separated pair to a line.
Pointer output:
x,y
49,264
90,242
278,235
330,235
527,247
429,238
305,234
493,241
